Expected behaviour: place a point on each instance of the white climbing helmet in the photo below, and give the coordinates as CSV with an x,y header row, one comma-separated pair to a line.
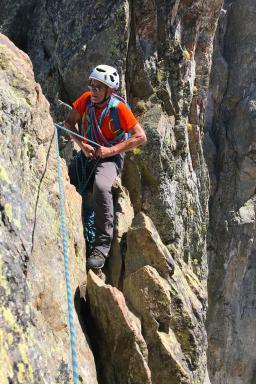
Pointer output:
x,y
106,74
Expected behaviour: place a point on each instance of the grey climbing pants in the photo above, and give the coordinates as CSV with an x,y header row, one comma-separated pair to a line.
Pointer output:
x,y
105,175
101,200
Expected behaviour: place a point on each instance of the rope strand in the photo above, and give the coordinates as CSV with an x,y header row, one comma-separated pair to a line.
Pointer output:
x,y
66,263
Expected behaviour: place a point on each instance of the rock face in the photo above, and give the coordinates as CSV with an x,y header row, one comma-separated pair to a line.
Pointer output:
x,y
34,335
159,318
230,143
171,313
63,60
162,50
123,351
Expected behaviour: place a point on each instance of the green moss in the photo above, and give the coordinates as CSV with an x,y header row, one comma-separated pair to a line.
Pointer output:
x,y
23,352
195,90
141,106
9,339
190,211
26,139
17,223
195,262
186,55
160,76
5,363
9,319
28,147
3,63
184,339
9,211
137,151
21,373
3,175
19,95
189,127
25,371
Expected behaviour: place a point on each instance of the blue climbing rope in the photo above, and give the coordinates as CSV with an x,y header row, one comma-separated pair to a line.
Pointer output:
x,y
66,262
76,134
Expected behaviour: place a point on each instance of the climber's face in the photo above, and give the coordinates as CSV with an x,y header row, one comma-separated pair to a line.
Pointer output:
x,y
99,91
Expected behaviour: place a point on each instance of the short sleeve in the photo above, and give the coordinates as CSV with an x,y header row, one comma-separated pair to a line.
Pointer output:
x,y
80,103
126,117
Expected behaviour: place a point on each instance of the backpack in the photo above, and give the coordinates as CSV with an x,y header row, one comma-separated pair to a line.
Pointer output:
x,y
114,112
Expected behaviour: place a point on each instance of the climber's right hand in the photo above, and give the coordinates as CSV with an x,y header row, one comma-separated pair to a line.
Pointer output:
x,y
89,151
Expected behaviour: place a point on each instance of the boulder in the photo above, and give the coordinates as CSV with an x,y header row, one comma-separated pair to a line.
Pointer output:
x,y
123,351
172,320
144,247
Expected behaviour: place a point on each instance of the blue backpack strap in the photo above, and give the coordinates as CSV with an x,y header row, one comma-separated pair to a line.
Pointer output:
x,y
115,118
114,113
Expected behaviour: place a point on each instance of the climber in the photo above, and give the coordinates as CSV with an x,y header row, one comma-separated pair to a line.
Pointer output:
x,y
108,121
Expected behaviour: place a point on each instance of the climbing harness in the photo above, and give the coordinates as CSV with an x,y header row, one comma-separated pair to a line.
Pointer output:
x,y
66,262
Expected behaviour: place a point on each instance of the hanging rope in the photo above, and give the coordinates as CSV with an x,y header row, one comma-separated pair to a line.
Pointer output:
x,y
76,134
66,262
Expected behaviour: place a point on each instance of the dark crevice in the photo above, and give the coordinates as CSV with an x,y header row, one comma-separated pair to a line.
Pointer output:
x,y
19,29
131,44
89,328
123,249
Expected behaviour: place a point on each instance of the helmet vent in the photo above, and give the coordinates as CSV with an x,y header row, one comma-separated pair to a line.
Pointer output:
x,y
112,78
100,70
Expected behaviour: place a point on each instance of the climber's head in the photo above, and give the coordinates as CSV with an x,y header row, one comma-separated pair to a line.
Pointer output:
x,y
103,81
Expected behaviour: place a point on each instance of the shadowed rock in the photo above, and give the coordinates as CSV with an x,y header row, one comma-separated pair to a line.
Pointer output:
x,y
231,144
34,335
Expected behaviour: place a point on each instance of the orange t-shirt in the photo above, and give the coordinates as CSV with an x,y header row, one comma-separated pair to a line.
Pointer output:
x,y
126,118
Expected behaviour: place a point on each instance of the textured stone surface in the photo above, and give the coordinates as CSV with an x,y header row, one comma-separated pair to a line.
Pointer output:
x,y
169,310
230,144
34,333
124,213
123,351
167,77
63,60
169,314
144,247
171,307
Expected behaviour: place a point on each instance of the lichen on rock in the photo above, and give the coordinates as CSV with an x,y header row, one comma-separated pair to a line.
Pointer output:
x,y
34,336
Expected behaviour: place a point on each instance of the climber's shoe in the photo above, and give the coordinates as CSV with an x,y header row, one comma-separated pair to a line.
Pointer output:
x,y
96,259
